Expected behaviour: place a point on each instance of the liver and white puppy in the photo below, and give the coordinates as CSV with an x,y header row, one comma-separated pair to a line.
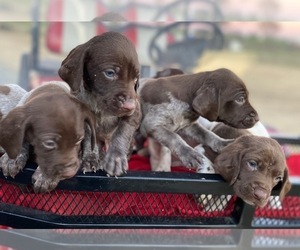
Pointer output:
x,y
172,105
103,73
154,149
52,121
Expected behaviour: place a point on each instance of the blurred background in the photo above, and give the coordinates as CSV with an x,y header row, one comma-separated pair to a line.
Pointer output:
x,y
257,39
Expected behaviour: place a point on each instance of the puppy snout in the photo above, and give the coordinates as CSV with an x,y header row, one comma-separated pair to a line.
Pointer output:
x,y
69,170
260,193
251,119
127,103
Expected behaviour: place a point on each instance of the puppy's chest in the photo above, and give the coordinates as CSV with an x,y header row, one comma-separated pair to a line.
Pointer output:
x,y
106,126
174,114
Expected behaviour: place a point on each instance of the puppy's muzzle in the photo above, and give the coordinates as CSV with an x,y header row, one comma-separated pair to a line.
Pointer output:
x,y
126,104
250,120
260,196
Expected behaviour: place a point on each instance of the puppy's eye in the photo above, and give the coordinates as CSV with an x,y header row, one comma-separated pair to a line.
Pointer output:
x,y
278,179
49,144
252,164
240,100
110,74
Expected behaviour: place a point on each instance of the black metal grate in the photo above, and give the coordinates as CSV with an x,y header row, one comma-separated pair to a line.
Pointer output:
x,y
82,207
142,199
279,214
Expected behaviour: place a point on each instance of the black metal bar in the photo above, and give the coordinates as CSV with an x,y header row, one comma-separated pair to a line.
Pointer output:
x,y
247,216
157,182
25,218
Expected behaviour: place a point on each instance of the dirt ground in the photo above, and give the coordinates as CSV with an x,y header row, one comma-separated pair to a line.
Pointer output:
x,y
274,88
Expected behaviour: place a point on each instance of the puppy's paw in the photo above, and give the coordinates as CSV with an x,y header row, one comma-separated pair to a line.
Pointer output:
x,y
218,145
115,163
207,166
42,183
191,159
11,167
90,163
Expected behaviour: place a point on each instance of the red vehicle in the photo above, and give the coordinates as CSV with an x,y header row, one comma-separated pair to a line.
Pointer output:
x,y
160,42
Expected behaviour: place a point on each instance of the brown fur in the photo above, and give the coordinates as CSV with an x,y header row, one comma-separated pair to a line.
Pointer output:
x,y
168,72
210,94
103,73
52,121
233,163
171,106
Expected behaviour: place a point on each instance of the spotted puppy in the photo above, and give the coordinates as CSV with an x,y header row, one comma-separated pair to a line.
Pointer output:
x,y
172,105
52,121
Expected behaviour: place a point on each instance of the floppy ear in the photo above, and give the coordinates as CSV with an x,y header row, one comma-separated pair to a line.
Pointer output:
x,y
12,131
71,70
286,185
206,103
228,163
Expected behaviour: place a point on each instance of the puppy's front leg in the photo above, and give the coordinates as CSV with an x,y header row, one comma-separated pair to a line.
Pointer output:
x,y
11,167
116,158
90,158
188,156
160,156
201,135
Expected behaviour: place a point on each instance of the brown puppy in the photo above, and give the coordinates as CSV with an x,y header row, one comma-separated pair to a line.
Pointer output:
x,y
103,73
172,105
52,121
253,165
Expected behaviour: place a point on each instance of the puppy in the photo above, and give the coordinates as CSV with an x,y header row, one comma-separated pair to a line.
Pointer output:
x,y
172,105
139,138
252,164
103,73
52,121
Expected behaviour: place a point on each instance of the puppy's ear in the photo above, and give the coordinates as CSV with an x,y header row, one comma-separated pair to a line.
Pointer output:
x,y
206,103
228,163
286,185
71,70
12,131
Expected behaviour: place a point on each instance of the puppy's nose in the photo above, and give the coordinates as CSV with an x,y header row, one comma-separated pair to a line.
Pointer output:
x,y
260,194
129,105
